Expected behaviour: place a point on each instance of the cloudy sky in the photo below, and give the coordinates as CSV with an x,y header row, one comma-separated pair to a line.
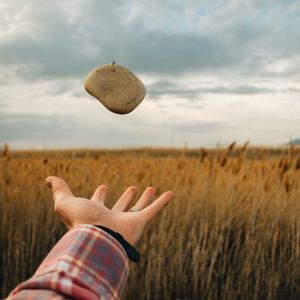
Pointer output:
x,y
215,71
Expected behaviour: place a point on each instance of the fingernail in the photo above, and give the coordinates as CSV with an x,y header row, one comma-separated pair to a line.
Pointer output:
x,y
48,182
134,190
172,194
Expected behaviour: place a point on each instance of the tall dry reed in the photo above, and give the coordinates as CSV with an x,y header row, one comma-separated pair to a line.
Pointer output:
x,y
233,231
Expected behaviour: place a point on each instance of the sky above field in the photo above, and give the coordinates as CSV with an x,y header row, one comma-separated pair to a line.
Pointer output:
x,y
215,72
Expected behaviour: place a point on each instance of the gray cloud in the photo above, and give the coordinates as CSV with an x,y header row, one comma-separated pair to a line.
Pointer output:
x,y
167,87
33,126
150,52
177,124
2,103
199,127
68,39
224,47
35,129
157,52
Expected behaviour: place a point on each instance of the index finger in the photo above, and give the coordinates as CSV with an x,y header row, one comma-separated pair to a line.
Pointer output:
x,y
153,209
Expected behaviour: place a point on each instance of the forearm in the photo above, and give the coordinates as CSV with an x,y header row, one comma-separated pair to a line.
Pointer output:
x,y
87,263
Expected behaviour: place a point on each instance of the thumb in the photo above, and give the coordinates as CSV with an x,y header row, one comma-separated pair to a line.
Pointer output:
x,y
59,188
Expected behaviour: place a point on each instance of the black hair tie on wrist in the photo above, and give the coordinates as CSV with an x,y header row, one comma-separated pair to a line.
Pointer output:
x,y
131,252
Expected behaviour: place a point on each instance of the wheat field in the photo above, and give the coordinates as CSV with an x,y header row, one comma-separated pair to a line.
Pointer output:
x,y
232,232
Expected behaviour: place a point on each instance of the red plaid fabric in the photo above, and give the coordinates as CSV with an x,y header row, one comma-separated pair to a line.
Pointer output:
x,y
87,263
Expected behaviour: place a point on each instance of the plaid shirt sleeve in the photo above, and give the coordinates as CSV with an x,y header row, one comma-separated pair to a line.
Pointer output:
x,y
87,263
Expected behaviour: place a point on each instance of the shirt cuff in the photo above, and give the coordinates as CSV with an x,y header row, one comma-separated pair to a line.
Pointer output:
x,y
86,263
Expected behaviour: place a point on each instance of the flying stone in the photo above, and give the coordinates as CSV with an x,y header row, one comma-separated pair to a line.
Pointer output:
x,y
118,89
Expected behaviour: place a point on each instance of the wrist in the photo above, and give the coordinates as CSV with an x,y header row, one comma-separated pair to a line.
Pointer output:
x,y
130,250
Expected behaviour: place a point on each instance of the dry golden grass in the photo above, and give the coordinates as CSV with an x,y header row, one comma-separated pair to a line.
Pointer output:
x,y
233,231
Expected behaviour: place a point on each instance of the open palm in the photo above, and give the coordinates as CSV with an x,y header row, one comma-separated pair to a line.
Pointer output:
x,y
74,211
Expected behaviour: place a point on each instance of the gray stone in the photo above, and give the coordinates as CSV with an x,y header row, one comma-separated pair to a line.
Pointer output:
x,y
115,87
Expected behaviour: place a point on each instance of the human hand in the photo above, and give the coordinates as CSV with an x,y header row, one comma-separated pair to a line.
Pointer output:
x,y
74,211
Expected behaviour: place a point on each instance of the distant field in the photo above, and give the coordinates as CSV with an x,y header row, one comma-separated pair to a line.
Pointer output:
x,y
232,232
